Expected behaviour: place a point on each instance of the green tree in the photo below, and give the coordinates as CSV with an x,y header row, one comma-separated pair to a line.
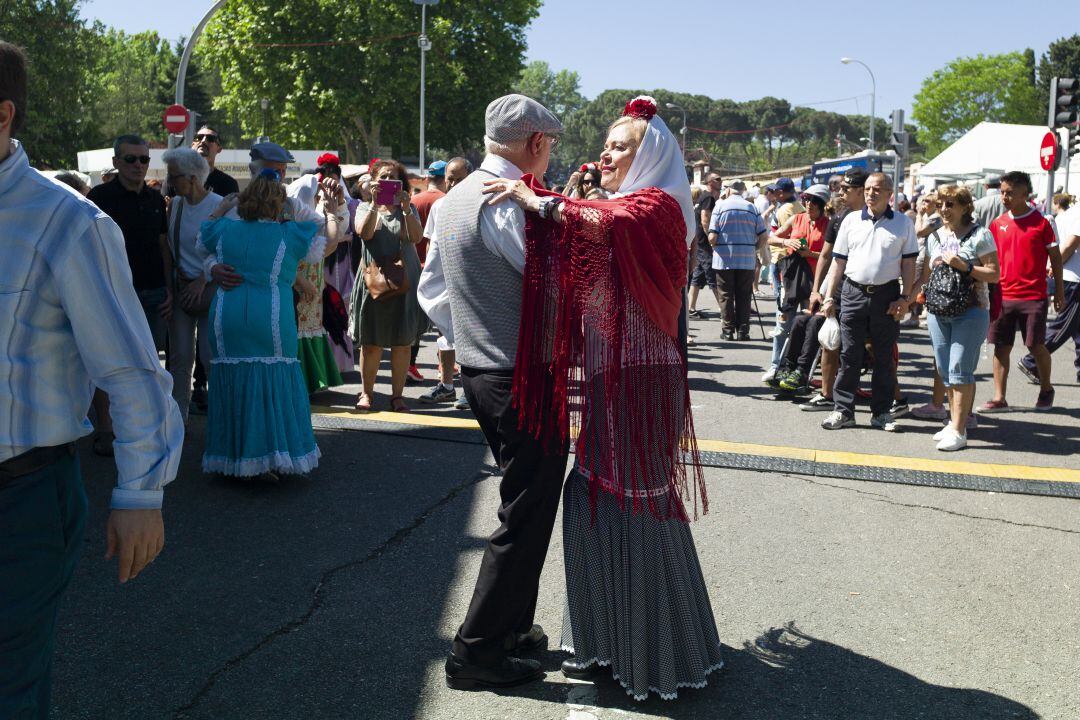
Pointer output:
x,y
967,91
557,91
60,51
1062,59
362,94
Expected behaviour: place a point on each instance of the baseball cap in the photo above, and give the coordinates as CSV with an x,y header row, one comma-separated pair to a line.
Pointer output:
x,y
821,192
437,168
785,185
856,177
512,118
271,152
771,187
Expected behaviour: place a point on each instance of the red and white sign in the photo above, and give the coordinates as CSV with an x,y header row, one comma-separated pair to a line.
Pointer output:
x,y
176,118
1048,152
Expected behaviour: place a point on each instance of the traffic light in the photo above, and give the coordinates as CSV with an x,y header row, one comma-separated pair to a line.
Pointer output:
x,y
1074,141
898,139
1063,102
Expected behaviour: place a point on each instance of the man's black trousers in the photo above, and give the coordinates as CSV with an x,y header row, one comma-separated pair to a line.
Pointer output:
x,y
504,600
736,288
863,314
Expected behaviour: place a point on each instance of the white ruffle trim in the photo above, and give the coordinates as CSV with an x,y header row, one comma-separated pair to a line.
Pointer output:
x,y
278,462
316,250
309,334
663,696
263,360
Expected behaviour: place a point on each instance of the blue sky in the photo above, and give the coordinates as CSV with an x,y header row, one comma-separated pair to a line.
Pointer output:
x,y
736,49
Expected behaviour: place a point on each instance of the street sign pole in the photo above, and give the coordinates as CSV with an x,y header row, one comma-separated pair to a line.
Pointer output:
x,y
1069,132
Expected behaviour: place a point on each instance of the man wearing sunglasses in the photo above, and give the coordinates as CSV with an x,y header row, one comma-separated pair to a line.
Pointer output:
x,y
208,144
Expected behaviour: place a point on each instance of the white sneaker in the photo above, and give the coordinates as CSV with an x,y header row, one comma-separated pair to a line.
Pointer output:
x,y
770,374
952,442
944,433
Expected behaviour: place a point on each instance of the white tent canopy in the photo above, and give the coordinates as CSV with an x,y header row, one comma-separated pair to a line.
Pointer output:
x,y
997,148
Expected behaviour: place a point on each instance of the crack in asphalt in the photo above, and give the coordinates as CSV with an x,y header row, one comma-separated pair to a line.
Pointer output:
x,y
319,592
878,497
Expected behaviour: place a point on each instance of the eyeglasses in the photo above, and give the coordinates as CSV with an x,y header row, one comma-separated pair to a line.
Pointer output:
x,y
173,178
207,137
130,159
553,139
948,204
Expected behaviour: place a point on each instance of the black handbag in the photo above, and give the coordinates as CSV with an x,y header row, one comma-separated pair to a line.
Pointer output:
x,y
949,292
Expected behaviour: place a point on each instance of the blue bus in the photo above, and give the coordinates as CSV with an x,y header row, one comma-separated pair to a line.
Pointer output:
x,y
820,172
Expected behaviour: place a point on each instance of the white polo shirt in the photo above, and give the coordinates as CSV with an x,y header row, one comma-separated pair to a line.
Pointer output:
x,y
874,248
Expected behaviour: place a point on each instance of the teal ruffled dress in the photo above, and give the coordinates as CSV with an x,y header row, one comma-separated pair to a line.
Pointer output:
x,y
259,419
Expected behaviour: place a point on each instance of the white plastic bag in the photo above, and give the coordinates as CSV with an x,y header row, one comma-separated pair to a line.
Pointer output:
x,y
829,334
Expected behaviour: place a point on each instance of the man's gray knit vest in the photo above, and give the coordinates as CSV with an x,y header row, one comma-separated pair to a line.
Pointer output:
x,y
485,290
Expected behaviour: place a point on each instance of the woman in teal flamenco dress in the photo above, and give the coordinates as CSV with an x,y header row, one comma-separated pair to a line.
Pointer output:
x,y
259,419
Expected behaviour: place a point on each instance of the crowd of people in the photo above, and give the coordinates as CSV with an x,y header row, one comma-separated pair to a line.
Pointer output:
x,y
558,309
980,270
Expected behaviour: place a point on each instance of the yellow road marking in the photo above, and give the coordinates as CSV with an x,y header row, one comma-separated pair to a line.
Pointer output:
x,y
834,457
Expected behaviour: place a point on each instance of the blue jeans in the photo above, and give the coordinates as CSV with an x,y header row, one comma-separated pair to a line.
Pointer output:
x,y
42,516
151,304
956,342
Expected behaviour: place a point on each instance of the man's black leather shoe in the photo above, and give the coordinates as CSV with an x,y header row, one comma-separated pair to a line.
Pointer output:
x,y
578,670
507,672
534,639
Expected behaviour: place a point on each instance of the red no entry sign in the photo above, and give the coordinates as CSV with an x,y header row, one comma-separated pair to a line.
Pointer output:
x,y
176,118
1048,152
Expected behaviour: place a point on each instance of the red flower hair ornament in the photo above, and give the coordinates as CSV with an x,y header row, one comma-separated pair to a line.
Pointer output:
x,y
328,159
642,106
589,166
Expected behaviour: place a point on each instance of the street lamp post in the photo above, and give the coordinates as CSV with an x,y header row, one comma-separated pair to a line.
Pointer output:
x,y
682,132
425,44
181,73
873,94
265,105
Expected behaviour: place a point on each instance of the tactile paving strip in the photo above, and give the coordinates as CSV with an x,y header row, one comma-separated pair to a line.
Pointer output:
x,y
744,461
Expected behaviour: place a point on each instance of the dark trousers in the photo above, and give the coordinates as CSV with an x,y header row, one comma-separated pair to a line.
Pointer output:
x,y
41,527
1064,327
803,343
862,314
504,600
736,288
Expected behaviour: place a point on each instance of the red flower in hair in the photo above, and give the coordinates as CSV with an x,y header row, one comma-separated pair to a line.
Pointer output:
x,y
642,106
328,159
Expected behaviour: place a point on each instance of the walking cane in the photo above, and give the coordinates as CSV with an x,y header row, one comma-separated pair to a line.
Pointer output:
x,y
757,311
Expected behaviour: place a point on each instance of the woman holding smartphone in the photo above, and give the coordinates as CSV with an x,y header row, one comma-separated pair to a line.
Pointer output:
x,y
388,228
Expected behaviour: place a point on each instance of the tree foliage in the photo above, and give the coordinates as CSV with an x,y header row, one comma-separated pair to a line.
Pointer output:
x,y
1062,59
557,91
967,91
355,83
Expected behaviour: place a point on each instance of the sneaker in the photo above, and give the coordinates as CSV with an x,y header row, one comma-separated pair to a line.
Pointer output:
x,y
1045,401
438,394
462,402
993,406
779,377
694,313
817,403
413,375
930,411
776,332
911,322
944,433
1032,374
793,381
769,375
899,408
837,420
885,421
952,441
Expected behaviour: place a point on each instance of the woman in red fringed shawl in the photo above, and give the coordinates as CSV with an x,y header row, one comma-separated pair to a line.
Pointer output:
x,y
600,332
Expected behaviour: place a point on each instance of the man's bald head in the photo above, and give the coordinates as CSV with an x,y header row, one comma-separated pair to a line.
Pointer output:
x,y
457,170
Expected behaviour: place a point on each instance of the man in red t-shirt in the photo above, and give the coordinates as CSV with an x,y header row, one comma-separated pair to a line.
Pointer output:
x,y
1025,242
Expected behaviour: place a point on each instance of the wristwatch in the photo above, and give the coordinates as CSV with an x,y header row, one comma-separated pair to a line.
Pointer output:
x,y
547,206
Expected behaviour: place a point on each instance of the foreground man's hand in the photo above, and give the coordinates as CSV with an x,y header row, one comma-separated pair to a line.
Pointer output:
x,y
136,537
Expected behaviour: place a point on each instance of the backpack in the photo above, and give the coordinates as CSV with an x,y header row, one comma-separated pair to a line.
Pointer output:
x,y
949,292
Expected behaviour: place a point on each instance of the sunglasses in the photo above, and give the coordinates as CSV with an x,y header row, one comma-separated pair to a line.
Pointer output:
x,y
845,188
173,178
130,159
208,138
948,204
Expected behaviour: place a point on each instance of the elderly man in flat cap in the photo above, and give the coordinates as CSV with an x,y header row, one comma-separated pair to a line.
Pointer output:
x,y
474,297
271,157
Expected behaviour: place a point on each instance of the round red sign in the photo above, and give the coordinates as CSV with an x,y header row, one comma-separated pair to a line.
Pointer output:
x,y
1048,152
176,118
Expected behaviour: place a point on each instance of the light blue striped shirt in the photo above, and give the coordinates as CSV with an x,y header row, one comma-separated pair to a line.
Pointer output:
x,y
70,321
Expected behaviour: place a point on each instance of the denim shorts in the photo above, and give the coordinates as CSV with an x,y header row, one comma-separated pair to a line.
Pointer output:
x,y
956,343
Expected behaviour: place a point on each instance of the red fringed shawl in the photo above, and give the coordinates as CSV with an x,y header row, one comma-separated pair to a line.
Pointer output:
x,y
599,347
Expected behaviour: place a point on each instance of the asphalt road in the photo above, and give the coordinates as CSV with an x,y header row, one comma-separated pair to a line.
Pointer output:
x,y
337,596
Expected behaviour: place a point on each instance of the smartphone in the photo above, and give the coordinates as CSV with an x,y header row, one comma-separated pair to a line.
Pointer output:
x,y
387,192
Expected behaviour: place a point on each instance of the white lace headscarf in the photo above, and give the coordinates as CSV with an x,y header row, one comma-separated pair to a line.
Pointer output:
x,y
659,164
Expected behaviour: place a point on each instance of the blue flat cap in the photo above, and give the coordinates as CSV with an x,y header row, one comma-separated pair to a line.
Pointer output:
x,y
271,152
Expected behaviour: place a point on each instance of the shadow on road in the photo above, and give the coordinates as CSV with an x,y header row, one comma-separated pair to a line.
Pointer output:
x,y
789,674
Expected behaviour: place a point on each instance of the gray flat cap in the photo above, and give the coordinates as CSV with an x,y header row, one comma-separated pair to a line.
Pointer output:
x,y
512,118
271,152
992,180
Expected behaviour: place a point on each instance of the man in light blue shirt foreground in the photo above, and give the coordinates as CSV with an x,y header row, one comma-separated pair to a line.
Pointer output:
x,y
69,321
